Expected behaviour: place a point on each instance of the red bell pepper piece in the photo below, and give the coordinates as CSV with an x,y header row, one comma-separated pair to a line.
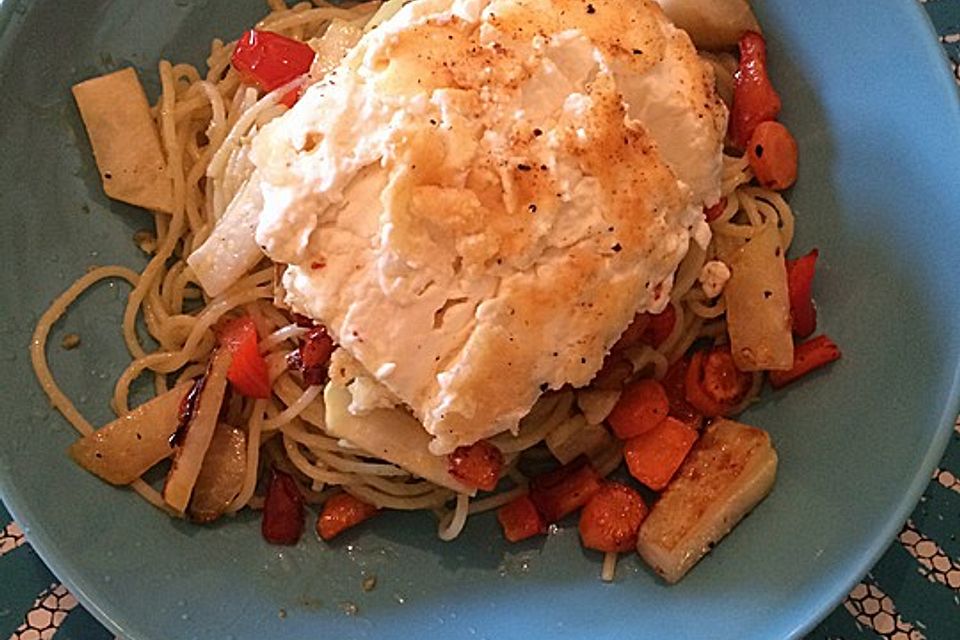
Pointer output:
x,y
675,384
653,458
340,512
611,519
800,274
478,465
754,98
282,521
642,406
520,519
248,371
714,385
270,60
714,212
808,356
312,356
562,491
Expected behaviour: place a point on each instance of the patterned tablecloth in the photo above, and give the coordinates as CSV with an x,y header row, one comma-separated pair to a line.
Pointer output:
x,y
912,594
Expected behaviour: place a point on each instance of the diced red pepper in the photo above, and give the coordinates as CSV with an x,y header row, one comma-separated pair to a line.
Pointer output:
x,y
282,521
675,384
340,512
520,519
714,212
803,313
714,385
633,334
754,98
248,372
478,465
611,519
808,356
270,60
312,356
642,406
655,456
562,491
660,326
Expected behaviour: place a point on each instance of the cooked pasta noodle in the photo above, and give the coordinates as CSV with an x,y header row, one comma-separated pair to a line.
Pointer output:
x,y
204,121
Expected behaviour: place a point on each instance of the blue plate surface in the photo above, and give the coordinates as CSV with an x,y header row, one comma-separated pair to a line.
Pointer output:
x,y
877,117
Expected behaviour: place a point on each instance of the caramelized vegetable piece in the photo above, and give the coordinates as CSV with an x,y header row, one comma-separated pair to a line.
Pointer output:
x,y
248,370
714,212
712,24
562,491
125,140
758,305
772,154
809,356
194,437
642,406
282,521
520,519
754,98
611,519
729,471
341,512
714,385
478,465
659,326
655,456
221,476
125,449
803,314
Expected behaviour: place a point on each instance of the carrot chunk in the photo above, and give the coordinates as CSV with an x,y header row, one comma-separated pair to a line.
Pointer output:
x,y
611,519
642,406
807,356
772,154
477,465
653,458
714,385
754,98
562,491
520,519
340,512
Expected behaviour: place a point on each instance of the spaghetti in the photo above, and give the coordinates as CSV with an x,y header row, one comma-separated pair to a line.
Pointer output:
x,y
203,120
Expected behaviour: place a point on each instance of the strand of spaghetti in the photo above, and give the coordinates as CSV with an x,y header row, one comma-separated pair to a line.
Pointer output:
x,y
496,501
609,570
690,335
452,525
292,411
697,303
400,488
533,432
168,362
253,458
281,22
290,332
38,343
677,331
688,271
645,356
381,500
158,263
351,464
310,469
153,496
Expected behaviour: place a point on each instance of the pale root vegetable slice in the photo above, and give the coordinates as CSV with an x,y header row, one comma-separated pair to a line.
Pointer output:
x,y
125,140
712,24
758,304
221,476
390,434
577,437
198,432
596,404
126,448
231,250
729,471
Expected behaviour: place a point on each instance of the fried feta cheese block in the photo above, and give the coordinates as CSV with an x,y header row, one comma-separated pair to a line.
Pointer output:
x,y
484,193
